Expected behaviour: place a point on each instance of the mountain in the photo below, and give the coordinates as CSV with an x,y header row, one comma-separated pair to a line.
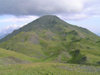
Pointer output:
x,y
49,38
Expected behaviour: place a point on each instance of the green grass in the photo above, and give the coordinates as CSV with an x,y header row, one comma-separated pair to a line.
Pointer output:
x,y
7,57
49,69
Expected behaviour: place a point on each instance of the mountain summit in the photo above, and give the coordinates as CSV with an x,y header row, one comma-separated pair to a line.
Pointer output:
x,y
48,19
49,38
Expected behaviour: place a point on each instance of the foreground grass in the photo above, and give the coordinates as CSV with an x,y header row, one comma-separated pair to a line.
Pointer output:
x,y
48,69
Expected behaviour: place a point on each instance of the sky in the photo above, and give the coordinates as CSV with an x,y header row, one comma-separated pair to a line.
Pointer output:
x,y
17,13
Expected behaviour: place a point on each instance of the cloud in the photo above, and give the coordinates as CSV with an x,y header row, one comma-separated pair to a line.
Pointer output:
x,y
18,19
13,23
43,7
75,16
9,29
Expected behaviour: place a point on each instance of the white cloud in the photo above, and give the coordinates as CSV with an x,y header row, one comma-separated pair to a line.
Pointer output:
x,y
75,16
12,19
43,7
9,29
18,19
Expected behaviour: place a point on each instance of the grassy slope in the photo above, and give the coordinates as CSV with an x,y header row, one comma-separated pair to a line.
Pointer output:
x,y
11,57
49,69
52,47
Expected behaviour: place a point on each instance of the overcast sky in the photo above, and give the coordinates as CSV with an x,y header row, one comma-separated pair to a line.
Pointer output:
x,y
16,13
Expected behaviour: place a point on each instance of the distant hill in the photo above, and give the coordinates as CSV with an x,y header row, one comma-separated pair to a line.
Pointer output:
x,y
51,39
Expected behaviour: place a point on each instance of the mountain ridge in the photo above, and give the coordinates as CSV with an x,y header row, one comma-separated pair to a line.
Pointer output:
x,y
45,22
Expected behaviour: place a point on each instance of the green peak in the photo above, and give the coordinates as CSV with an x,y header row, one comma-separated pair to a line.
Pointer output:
x,y
48,20
49,16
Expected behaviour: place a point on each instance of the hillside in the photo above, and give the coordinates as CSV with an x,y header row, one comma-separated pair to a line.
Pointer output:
x,y
11,57
51,39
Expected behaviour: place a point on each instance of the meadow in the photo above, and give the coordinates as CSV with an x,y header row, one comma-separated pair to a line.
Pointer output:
x,y
48,69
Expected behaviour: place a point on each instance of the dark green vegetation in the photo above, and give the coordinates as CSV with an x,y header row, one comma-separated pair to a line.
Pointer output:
x,y
49,39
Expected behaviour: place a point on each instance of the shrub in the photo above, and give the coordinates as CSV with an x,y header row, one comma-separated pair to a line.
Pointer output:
x,y
77,57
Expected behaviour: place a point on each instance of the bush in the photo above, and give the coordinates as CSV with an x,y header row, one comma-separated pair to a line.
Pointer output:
x,y
77,57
